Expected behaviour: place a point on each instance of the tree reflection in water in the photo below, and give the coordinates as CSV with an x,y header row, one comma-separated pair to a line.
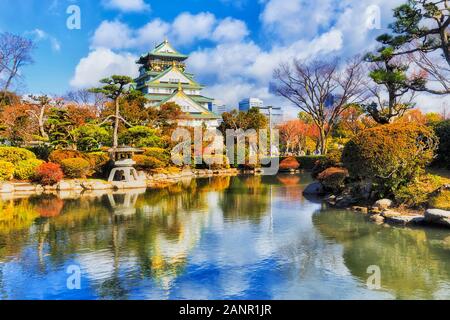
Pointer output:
x,y
256,232
246,199
156,229
413,262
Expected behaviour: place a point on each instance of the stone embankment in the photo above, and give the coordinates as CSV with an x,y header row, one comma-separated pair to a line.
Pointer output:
x,y
147,181
382,210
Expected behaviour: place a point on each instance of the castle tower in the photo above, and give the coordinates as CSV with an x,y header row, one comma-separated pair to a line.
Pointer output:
x,y
163,78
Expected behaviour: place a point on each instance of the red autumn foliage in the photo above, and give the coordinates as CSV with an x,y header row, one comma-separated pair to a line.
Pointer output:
x,y
293,134
289,163
50,207
49,173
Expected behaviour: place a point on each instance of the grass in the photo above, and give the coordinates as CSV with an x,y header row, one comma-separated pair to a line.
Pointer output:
x,y
442,201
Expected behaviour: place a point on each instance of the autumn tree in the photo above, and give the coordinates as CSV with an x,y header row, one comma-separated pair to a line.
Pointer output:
x,y
321,89
164,117
114,88
245,120
81,114
297,135
15,53
16,125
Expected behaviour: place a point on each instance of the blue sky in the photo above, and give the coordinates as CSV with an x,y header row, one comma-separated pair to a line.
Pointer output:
x,y
234,44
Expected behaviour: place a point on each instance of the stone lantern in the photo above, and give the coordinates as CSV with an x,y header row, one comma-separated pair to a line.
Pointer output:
x,y
124,175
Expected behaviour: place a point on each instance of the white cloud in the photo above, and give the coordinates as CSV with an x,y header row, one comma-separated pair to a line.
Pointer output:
x,y
294,18
102,63
152,33
248,68
230,29
187,28
127,5
41,35
112,34
229,62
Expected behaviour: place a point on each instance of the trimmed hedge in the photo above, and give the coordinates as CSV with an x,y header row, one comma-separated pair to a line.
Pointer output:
x,y
6,170
76,168
99,162
58,156
161,154
144,162
49,174
391,155
308,162
26,169
290,163
214,162
15,155
333,178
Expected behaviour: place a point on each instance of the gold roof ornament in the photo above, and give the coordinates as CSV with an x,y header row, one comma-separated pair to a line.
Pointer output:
x,y
180,88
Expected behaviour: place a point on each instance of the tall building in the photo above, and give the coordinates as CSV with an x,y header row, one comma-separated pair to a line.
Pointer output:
x,y
163,78
247,104
274,113
218,107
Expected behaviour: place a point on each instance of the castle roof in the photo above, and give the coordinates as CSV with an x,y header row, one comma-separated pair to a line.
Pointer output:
x,y
163,50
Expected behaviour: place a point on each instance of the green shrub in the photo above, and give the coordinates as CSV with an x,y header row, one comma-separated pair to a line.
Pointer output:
x,y
99,162
161,154
442,130
41,151
418,191
308,162
6,170
49,174
76,168
390,156
14,155
215,162
140,136
90,137
58,156
26,169
333,178
144,162
332,159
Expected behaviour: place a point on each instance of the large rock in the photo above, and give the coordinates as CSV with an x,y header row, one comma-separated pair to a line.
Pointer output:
x,y
404,220
24,187
6,188
438,216
345,201
383,204
63,185
315,188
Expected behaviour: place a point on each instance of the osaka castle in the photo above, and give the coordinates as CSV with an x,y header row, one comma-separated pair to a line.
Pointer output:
x,y
163,78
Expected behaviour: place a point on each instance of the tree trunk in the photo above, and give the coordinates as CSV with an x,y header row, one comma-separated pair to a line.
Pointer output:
x,y
41,122
116,126
323,141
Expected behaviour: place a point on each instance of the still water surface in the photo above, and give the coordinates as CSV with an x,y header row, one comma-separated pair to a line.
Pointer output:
x,y
215,238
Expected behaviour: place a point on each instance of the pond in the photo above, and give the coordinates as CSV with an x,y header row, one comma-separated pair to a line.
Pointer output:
x,y
246,237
